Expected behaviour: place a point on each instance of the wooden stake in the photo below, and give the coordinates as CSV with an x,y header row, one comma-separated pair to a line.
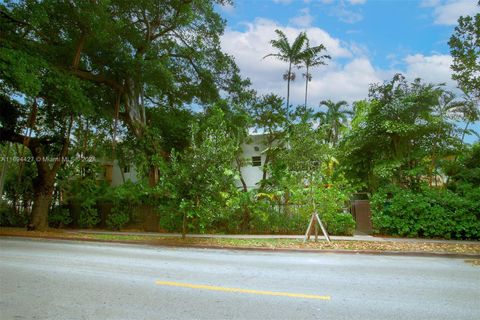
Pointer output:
x,y
313,223
307,234
325,233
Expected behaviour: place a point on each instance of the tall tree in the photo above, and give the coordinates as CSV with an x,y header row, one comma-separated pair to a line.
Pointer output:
x,y
271,117
113,58
312,57
336,118
48,148
290,53
203,171
465,50
397,133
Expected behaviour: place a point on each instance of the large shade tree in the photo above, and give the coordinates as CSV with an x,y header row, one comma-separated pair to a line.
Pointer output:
x,y
399,134
465,50
110,58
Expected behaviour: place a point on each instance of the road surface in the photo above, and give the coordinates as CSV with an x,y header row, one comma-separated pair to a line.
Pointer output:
x,y
41,279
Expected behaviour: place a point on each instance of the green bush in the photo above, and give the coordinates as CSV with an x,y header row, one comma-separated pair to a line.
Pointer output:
x,y
331,200
339,223
267,218
170,218
10,218
433,213
59,217
118,217
268,214
89,216
124,198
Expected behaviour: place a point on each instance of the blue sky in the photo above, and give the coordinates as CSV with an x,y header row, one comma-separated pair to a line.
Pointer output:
x,y
369,41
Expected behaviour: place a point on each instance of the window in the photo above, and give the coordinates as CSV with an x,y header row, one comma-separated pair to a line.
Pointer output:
x,y
256,161
126,169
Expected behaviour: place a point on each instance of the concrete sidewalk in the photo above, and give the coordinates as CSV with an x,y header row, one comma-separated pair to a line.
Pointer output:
x,y
356,237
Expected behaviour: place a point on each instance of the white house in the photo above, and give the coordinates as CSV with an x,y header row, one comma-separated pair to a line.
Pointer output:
x,y
117,175
254,156
252,170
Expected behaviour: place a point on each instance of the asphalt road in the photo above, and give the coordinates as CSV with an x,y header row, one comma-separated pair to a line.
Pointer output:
x,y
42,279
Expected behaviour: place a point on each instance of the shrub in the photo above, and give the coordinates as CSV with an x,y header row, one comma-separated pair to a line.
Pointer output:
x,y
339,223
169,216
124,197
118,217
268,214
10,218
89,216
427,213
269,218
59,217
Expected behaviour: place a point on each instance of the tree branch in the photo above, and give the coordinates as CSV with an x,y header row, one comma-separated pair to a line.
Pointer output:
x,y
96,78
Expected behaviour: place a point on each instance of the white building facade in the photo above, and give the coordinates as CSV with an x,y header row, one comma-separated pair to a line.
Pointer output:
x,y
253,154
253,158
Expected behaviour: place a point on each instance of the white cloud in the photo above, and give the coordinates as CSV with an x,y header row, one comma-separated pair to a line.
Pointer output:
x,y
433,69
303,20
346,77
346,15
335,81
348,82
447,12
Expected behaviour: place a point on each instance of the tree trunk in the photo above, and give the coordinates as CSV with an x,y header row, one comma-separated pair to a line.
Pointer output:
x,y
41,203
246,210
239,169
122,173
153,176
134,107
45,180
264,175
288,87
246,218
306,88
3,174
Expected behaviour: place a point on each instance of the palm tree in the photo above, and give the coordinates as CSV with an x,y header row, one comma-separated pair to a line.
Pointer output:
x,y
335,117
311,58
288,53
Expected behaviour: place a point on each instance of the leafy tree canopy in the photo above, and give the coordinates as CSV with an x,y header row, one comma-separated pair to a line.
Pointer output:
x,y
398,135
135,53
465,50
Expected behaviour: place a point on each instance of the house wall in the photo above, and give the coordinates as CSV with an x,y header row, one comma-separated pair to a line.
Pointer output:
x,y
252,175
117,174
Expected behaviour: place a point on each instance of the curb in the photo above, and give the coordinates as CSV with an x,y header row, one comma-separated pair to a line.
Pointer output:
x,y
266,249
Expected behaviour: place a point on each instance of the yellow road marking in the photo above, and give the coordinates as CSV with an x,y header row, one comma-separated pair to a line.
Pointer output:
x,y
215,288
